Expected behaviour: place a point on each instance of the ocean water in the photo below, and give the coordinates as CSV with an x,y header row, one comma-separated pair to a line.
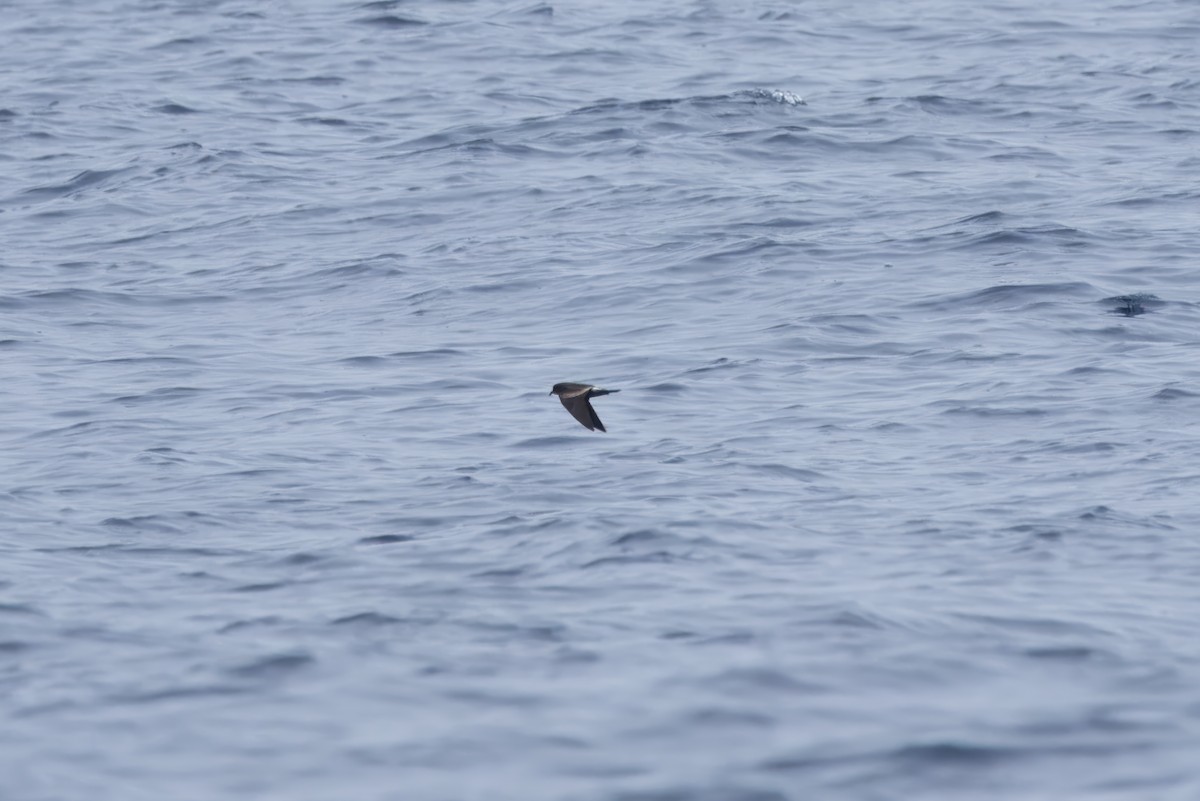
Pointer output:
x,y
898,499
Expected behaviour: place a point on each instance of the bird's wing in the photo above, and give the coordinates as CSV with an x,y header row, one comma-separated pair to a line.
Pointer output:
x,y
580,389
582,411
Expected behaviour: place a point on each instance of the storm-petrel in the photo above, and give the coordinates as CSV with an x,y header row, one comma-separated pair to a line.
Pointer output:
x,y
575,397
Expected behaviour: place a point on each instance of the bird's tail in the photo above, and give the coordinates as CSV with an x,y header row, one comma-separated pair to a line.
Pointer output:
x,y
598,392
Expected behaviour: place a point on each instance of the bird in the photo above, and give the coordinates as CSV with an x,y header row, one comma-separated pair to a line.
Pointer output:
x,y
576,399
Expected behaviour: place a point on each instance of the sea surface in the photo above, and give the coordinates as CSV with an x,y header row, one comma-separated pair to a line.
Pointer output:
x,y
900,498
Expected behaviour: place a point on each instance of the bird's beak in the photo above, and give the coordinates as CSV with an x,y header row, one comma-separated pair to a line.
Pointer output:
x,y
551,392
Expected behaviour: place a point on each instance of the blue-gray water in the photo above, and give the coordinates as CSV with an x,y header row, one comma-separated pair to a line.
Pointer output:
x,y
898,500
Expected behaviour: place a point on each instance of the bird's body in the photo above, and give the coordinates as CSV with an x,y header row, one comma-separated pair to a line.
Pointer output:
x,y
577,400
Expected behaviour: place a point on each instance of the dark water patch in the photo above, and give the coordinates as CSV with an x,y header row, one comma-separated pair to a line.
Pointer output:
x,y
1133,305
892,427
267,621
20,609
382,266
164,456
273,667
718,791
174,109
1035,625
505,286
177,694
318,80
679,634
82,549
63,297
641,537
498,631
737,254
79,183
807,762
514,525
265,586
943,754
547,442
74,297
391,22
992,228
305,392
1174,393
1008,297
367,619
118,547
759,680
721,363
432,143
159,395
363,361
1136,201
992,217
723,104
1071,446
1027,155
986,412
385,539
182,42
1120,333
1091,370
176,552
1038,532
1106,515
1065,653
652,557
153,523
867,324
502,573
1029,236
489,699
535,10
254,472
303,559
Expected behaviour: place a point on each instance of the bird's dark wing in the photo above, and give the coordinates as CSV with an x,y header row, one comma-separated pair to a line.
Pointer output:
x,y
582,411
595,418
